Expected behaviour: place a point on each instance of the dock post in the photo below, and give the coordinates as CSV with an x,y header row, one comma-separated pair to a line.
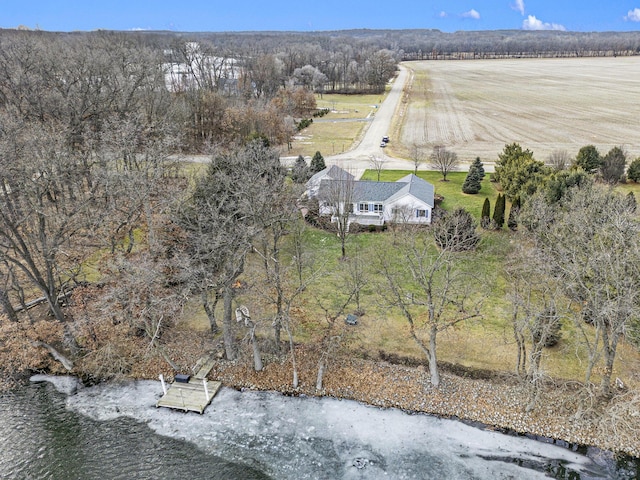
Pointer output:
x,y
164,386
206,390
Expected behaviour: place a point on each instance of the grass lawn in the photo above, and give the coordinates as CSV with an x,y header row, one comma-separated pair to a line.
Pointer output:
x,y
487,343
629,187
339,129
327,138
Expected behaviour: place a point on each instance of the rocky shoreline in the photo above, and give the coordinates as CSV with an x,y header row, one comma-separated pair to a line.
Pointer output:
x,y
497,403
564,414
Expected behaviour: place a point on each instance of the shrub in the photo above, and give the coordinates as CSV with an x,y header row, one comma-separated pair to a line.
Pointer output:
x,y
456,231
512,222
631,201
304,123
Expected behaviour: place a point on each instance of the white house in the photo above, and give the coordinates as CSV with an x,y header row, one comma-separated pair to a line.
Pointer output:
x,y
408,200
200,70
330,173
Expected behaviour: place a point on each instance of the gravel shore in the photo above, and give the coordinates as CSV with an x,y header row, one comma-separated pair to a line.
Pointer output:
x,y
498,402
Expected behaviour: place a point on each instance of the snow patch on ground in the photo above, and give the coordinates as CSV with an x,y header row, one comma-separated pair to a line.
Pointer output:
x,y
64,384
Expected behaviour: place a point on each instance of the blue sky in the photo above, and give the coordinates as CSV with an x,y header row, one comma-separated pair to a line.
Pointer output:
x,y
249,15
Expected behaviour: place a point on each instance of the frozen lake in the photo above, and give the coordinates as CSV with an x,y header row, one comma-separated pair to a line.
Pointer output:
x,y
115,431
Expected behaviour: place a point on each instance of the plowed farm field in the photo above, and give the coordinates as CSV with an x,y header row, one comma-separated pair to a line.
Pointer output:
x,y
476,107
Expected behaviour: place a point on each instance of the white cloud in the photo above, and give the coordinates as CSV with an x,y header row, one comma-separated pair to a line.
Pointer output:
x,y
518,6
633,15
471,14
532,23
443,14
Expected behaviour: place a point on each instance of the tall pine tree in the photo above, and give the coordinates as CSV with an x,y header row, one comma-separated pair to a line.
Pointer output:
x,y
498,212
472,182
300,170
485,219
477,165
317,163
512,222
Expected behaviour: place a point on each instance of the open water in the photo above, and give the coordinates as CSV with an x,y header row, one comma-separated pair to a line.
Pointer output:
x,y
42,439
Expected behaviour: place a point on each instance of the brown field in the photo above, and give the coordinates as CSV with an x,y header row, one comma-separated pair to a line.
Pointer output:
x,y
476,107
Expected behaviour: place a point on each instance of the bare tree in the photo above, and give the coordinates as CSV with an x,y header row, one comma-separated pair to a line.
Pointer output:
x,y
592,239
224,214
279,216
356,278
443,160
336,198
429,283
306,272
142,299
46,208
5,300
65,184
538,305
417,155
242,316
334,332
559,160
377,163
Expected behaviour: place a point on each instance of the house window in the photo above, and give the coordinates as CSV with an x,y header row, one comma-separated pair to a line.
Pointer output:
x,y
421,213
363,207
377,207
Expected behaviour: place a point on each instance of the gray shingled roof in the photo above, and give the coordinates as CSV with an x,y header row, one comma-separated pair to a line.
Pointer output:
x,y
369,191
374,191
333,172
419,188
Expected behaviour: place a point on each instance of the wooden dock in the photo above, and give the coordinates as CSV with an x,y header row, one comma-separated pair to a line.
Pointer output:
x,y
192,396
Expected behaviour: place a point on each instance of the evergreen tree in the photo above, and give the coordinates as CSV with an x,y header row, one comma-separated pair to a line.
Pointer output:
x,y
518,173
472,183
477,165
612,167
561,182
300,170
317,163
485,220
588,159
498,212
512,222
633,172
